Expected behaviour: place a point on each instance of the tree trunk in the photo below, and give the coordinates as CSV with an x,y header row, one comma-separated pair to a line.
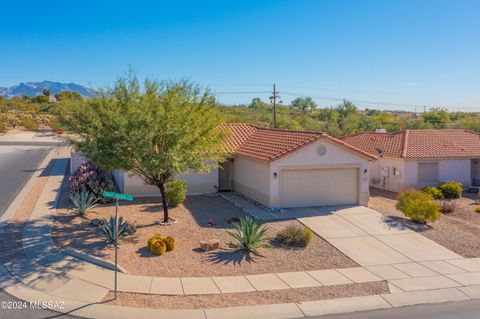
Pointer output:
x,y
161,186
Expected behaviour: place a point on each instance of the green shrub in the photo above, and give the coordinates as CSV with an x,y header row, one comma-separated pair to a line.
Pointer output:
x,y
451,190
83,202
418,206
125,229
176,192
249,234
477,209
29,124
295,236
434,192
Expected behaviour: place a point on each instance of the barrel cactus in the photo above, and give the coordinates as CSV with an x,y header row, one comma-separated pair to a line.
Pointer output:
x,y
152,239
158,247
170,243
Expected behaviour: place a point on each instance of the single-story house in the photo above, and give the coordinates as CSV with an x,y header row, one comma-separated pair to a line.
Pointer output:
x,y
418,158
279,168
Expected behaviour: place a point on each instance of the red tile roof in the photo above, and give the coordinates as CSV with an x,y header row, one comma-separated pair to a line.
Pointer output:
x,y
449,143
267,144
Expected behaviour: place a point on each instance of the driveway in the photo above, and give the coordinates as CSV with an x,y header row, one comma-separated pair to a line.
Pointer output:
x,y
369,238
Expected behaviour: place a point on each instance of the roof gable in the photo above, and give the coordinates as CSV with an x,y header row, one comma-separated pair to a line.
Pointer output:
x,y
267,144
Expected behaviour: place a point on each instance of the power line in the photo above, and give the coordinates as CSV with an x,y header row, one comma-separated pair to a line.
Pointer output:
x,y
243,92
372,102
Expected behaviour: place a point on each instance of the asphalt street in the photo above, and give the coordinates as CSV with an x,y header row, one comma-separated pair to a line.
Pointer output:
x,y
452,310
17,164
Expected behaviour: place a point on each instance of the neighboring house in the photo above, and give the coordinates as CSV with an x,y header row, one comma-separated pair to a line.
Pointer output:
x,y
417,158
279,168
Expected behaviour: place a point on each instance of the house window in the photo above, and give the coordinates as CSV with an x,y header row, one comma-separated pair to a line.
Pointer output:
x,y
428,173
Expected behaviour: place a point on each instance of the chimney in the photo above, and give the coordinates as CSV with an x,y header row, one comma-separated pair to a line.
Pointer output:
x,y
380,130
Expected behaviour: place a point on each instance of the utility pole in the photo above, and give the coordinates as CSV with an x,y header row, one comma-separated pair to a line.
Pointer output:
x,y
274,104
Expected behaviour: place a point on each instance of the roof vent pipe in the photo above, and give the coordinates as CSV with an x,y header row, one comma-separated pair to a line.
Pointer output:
x,y
380,130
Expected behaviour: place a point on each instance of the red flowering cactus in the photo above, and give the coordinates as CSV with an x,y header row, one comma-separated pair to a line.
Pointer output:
x,y
89,177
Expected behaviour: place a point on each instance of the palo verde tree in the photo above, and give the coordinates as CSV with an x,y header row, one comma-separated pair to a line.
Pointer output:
x,y
169,128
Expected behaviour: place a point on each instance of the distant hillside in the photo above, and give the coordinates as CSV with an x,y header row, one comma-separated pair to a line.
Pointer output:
x,y
35,88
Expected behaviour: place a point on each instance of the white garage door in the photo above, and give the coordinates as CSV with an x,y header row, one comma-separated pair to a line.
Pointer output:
x,y
319,187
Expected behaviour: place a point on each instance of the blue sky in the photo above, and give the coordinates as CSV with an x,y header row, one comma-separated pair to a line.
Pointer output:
x,y
393,52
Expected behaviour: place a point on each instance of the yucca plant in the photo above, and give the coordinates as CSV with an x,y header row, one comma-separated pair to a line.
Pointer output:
x,y
125,229
83,202
249,234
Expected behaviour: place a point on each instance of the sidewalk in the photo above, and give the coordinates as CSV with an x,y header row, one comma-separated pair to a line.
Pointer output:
x,y
48,274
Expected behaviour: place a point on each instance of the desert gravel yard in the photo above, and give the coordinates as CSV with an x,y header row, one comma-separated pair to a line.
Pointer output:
x,y
191,227
458,231
248,298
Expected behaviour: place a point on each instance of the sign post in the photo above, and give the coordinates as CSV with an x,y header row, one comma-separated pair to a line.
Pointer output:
x,y
59,133
116,196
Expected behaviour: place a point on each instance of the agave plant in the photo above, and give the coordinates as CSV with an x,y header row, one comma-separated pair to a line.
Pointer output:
x,y
83,202
249,234
125,229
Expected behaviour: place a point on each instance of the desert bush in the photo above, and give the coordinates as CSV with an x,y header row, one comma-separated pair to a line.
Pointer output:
x,y
158,247
434,192
83,202
3,127
125,229
295,236
448,206
89,177
176,192
451,190
249,235
418,206
28,123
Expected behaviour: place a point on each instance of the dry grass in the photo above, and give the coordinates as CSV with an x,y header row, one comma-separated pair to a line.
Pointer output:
x,y
458,231
191,227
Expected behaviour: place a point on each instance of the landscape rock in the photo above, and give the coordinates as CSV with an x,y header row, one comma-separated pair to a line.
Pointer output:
x,y
209,245
96,222
210,222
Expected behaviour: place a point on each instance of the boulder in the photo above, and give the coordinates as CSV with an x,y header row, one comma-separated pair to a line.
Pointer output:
x,y
209,245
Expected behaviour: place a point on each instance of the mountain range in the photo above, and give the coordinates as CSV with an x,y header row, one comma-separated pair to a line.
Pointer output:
x,y
36,88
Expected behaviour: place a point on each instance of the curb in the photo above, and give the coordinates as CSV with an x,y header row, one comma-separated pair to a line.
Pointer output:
x,y
93,260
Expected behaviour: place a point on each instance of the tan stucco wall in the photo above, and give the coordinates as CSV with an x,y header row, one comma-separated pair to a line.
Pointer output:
x,y
252,179
196,183
308,156
448,170
391,182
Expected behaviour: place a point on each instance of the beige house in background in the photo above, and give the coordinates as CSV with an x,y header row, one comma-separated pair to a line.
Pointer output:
x,y
418,158
279,168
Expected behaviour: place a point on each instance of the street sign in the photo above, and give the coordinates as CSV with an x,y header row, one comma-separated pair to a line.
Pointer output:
x,y
59,131
117,196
